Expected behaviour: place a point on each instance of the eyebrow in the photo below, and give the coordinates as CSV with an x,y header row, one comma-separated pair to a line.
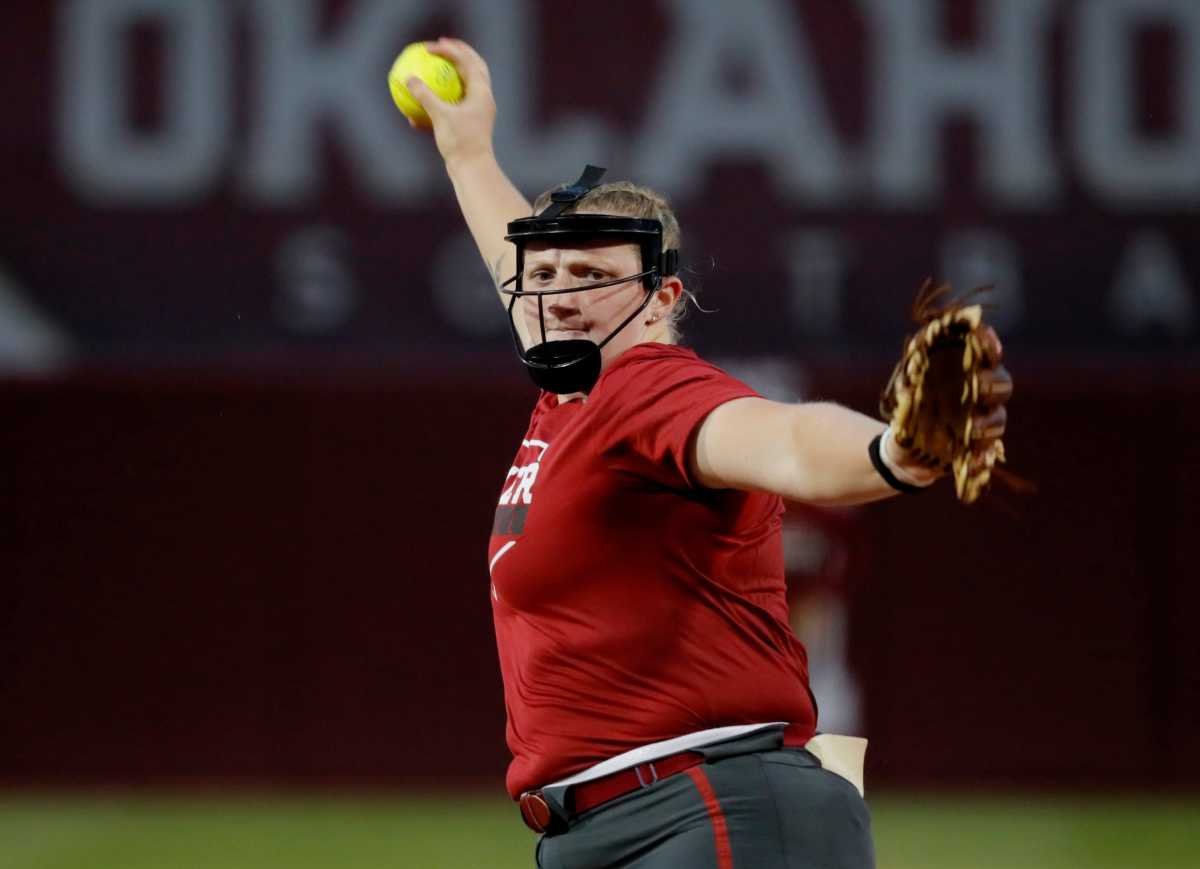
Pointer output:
x,y
588,257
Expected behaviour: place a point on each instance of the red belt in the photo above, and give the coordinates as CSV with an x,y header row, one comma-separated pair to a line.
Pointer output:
x,y
536,814
535,811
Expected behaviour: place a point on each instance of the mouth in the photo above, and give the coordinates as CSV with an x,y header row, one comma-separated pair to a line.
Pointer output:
x,y
565,334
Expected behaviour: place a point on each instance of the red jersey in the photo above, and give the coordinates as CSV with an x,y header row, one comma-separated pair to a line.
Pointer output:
x,y
632,605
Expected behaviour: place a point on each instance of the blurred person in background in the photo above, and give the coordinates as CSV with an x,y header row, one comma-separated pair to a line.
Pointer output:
x,y
658,700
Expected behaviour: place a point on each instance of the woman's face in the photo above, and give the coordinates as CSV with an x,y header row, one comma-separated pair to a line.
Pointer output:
x,y
592,314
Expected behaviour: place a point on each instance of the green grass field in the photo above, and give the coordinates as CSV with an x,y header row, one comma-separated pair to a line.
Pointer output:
x,y
456,833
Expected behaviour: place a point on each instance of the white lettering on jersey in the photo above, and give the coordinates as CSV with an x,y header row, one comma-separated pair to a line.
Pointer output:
x,y
518,485
523,494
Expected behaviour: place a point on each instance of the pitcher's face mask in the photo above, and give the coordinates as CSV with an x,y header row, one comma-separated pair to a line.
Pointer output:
x,y
573,365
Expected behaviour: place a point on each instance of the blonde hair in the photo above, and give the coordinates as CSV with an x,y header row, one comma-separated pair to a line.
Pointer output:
x,y
632,200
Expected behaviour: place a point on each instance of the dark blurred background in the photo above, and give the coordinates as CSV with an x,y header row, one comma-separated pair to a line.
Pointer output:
x,y
257,399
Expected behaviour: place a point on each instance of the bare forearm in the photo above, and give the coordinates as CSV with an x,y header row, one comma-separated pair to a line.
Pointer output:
x,y
832,466
488,201
816,452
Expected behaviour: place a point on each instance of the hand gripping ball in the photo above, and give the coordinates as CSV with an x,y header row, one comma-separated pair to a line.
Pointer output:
x,y
437,72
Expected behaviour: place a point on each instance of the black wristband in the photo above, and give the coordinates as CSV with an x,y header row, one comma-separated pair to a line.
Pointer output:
x,y
886,472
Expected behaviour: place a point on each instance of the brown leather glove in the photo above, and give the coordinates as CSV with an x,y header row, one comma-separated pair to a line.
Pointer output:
x,y
945,399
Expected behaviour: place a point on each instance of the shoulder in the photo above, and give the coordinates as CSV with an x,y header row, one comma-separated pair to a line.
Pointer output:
x,y
655,397
656,367
655,352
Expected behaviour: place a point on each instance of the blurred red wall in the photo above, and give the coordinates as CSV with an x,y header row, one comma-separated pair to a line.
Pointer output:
x,y
215,579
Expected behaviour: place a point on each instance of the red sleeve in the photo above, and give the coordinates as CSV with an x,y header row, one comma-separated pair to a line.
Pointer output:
x,y
653,404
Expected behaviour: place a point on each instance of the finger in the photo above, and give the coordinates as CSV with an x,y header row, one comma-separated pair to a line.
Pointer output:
x,y
992,347
471,66
995,386
429,101
989,426
462,53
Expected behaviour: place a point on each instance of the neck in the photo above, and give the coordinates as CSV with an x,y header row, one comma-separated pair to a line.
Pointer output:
x,y
658,336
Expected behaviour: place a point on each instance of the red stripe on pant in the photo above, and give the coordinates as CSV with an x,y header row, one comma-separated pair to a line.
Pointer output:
x,y
720,828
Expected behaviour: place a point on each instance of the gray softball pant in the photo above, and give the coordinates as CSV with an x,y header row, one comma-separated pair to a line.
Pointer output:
x,y
771,809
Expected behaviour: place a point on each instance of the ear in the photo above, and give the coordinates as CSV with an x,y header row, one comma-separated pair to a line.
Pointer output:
x,y
667,295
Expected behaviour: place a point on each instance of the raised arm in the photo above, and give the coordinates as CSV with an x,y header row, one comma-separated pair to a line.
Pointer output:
x,y
463,132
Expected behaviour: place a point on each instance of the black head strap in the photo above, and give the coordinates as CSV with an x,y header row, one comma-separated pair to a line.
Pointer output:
x,y
563,197
670,263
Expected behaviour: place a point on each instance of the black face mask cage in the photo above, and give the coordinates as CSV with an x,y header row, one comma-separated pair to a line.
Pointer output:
x,y
584,228
574,365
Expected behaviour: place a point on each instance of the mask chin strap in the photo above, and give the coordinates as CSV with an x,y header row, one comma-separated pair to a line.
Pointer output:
x,y
627,320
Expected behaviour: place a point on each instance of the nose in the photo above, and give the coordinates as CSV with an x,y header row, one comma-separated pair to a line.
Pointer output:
x,y
562,307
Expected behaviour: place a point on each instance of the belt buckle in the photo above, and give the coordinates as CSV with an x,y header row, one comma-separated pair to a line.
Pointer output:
x,y
537,814
653,776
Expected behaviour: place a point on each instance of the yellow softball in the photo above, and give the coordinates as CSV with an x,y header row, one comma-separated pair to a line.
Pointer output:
x,y
437,72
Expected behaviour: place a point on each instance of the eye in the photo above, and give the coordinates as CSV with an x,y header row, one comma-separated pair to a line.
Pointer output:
x,y
541,275
595,275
